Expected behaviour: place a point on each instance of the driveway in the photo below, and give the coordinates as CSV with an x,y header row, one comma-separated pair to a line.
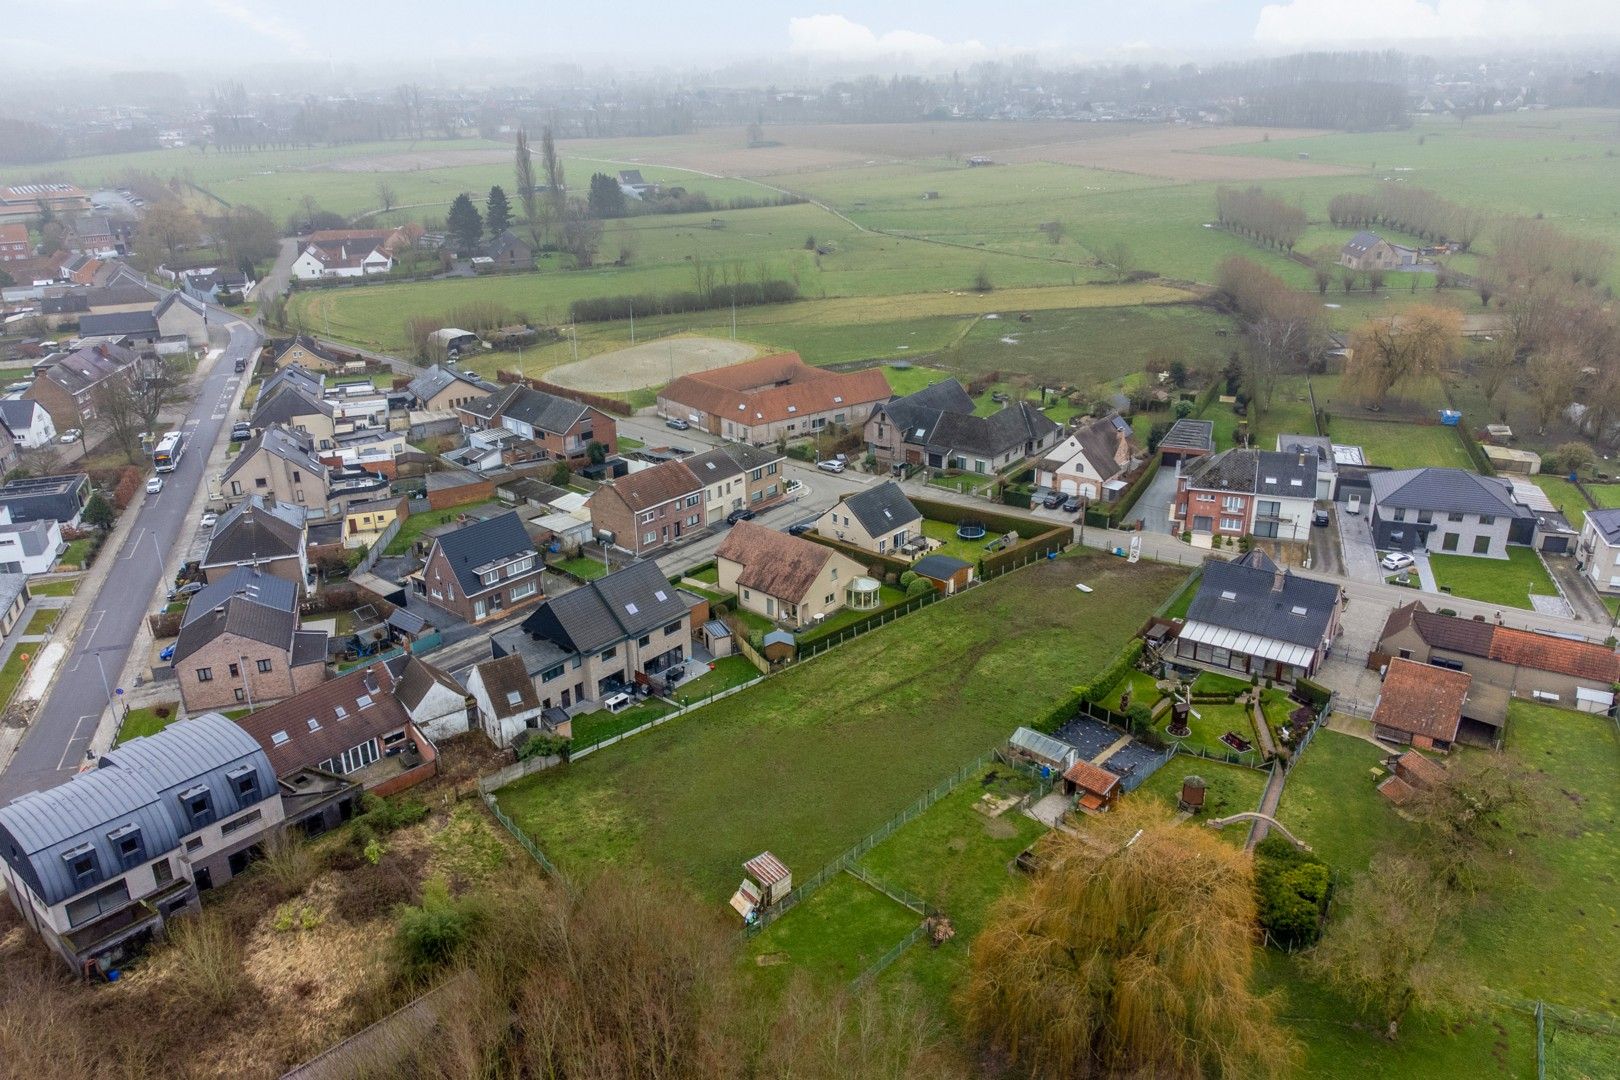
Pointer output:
x,y
1326,557
1154,505
1577,589
1356,544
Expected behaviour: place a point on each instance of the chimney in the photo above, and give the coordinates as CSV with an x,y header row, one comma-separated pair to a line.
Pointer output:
x,y
1279,578
102,350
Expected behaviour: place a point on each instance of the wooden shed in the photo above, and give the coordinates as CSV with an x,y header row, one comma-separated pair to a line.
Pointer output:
x,y
766,882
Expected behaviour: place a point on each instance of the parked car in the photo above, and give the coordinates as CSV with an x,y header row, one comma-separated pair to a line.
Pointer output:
x,y
167,653
241,363
208,519
677,423
832,465
154,485
799,528
1071,505
1319,517
72,434
1053,500
1352,505
1397,560
742,513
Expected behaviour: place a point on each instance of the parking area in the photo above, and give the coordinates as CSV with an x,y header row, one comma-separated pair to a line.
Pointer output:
x,y
1356,545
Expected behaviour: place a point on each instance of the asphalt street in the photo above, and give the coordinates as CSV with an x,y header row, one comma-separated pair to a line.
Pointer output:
x,y
65,721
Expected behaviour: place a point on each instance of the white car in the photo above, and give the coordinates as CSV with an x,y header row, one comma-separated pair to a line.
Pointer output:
x,y
1397,560
70,435
154,485
209,519
830,465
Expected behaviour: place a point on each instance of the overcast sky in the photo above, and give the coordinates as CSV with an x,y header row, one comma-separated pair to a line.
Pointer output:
x,y
209,34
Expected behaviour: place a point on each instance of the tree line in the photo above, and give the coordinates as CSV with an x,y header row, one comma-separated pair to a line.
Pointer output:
x,y
1264,218
1358,105
1411,210
1282,329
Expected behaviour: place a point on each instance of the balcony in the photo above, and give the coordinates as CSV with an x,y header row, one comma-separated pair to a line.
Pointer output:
x,y
95,938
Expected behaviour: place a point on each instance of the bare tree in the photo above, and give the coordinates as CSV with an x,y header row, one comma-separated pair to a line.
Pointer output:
x,y
1554,373
1424,342
556,184
1117,257
130,404
579,234
386,198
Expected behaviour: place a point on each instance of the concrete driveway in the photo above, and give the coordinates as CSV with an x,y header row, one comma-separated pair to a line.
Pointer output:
x,y
1154,505
1356,545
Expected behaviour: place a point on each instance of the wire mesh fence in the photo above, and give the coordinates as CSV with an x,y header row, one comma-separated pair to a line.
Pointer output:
x,y
528,845
882,963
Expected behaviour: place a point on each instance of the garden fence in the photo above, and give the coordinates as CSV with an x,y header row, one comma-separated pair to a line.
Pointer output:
x,y
528,845
898,893
882,964
378,546
575,753
820,645
882,833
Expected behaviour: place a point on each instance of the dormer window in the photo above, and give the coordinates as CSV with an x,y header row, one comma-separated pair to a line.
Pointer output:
x,y
197,805
245,782
81,865
126,841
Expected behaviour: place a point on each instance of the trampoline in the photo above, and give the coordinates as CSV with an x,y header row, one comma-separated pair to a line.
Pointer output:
x,y
970,530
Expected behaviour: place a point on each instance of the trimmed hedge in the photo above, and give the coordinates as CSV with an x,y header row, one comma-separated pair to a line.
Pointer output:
x,y
1055,539
1120,510
1098,688
746,294
612,406
955,515
1313,692
1476,453
867,559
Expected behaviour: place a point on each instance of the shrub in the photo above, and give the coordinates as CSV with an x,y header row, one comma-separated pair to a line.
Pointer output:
x,y
160,711
919,587
538,745
289,864
386,815
435,932
1291,891
209,961
907,578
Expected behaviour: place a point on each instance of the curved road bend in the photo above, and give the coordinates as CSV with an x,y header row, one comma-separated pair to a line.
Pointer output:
x,y
65,721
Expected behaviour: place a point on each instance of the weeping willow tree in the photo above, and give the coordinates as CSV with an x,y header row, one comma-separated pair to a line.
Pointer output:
x,y
1130,955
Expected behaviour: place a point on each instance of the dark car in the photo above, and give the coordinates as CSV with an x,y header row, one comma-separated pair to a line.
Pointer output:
x,y
241,433
1071,505
1053,500
799,528
742,513
241,364
1320,517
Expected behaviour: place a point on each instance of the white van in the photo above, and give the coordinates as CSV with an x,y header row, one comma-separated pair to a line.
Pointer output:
x,y
1352,504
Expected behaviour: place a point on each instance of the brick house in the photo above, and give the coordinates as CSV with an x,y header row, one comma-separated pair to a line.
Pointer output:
x,y
1369,251
441,388
773,397
14,244
278,465
254,533
1095,455
1420,704
736,476
650,510
68,387
564,428
241,647
482,570
1258,492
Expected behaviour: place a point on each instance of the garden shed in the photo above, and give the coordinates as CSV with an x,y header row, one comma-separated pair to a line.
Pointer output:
x,y
779,646
1043,750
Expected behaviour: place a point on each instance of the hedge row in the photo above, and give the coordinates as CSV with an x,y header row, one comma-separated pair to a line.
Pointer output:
x,y
615,308
1476,453
996,523
867,559
612,406
1067,708
1055,539
1122,508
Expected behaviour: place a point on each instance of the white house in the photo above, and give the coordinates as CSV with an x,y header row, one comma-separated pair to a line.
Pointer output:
x,y
508,704
30,424
342,256
1091,458
29,547
1600,549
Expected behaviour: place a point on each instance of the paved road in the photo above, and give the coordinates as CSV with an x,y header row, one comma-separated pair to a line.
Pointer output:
x,y
66,720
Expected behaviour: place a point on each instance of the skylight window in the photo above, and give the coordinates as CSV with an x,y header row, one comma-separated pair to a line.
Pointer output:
x,y
838,399
1228,595
1296,482
793,408
364,701
631,608
314,724
1298,610
1271,479
661,594
280,738
340,710
513,697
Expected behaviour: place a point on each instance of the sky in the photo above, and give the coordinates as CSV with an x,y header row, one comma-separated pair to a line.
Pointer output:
x,y
215,34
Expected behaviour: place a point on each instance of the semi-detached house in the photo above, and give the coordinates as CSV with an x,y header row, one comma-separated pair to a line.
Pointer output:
x,y
563,428
650,510
483,570
774,397
1256,492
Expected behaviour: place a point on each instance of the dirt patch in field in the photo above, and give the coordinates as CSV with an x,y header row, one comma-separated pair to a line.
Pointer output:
x,y
652,364
1180,153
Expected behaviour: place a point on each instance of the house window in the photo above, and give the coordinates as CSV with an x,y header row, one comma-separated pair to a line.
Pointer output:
x,y
770,470
99,903
1232,502
522,566
480,609
245,781
527,589
1482,545
1454,516
1400,514
646,517
264,667
693,500
646,640
1231,524
551,673
126,840
235,671
1487,519
649,538
205,674
81,864
260,482
1425,517
197,806
162,872
692,520
608,654
490,578
1448,542
672,628
240,823
236,487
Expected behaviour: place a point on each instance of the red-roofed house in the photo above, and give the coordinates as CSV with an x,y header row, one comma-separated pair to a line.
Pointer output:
x,y
1094,787
774,397
649,510
1420,704
14,246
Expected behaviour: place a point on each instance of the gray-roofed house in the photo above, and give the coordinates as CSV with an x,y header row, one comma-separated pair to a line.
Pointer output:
x,y
240,644
293,406
936,427
98,865
67,388
59,498
137,329
259,533
1369,251
28,421
594,640
879,519
178,314
482,570
437,704
1447,510
1254,617
508,704
14,597
563,427
442,388
1256,492
1599,553
279,465
509,251
29,547
1092,461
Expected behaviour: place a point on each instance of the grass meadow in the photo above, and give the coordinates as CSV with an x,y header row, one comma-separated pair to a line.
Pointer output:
x,y
912,701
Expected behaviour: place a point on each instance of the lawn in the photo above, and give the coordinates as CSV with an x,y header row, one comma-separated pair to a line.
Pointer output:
x,y
888,596
958,860
1402,446
60,587
146,721
1508,582
1568,498
591,728
77,551
420,522
11,674
709,575
1213,682
1143,688
833,936
726,672
945,532
1209,722
1229,789
1331,803
582,567
918,698
1606,496
41,621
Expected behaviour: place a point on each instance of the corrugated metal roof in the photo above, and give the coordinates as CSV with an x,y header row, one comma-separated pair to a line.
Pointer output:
x,y
766,869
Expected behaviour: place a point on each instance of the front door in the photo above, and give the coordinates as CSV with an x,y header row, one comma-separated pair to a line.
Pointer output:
x,y
203,879
567,699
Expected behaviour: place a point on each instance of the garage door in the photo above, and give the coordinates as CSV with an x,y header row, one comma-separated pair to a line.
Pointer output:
x,y
1068,487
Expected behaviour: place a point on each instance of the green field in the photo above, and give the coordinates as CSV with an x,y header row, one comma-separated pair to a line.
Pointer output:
x,y
1230,789
1566,497
41,621
1509,582
1402,446
897,725
146,721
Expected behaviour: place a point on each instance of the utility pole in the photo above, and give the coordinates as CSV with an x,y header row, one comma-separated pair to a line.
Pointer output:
x,y
632,322
734,314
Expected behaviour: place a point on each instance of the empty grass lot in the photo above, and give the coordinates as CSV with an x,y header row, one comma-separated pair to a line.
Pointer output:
x,y
146,721
1509,582
1402,446
1230,789
1330,802
586,569
60,587
1606,496
728,671
811,760
1568,498
420,522
41,621
833,936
